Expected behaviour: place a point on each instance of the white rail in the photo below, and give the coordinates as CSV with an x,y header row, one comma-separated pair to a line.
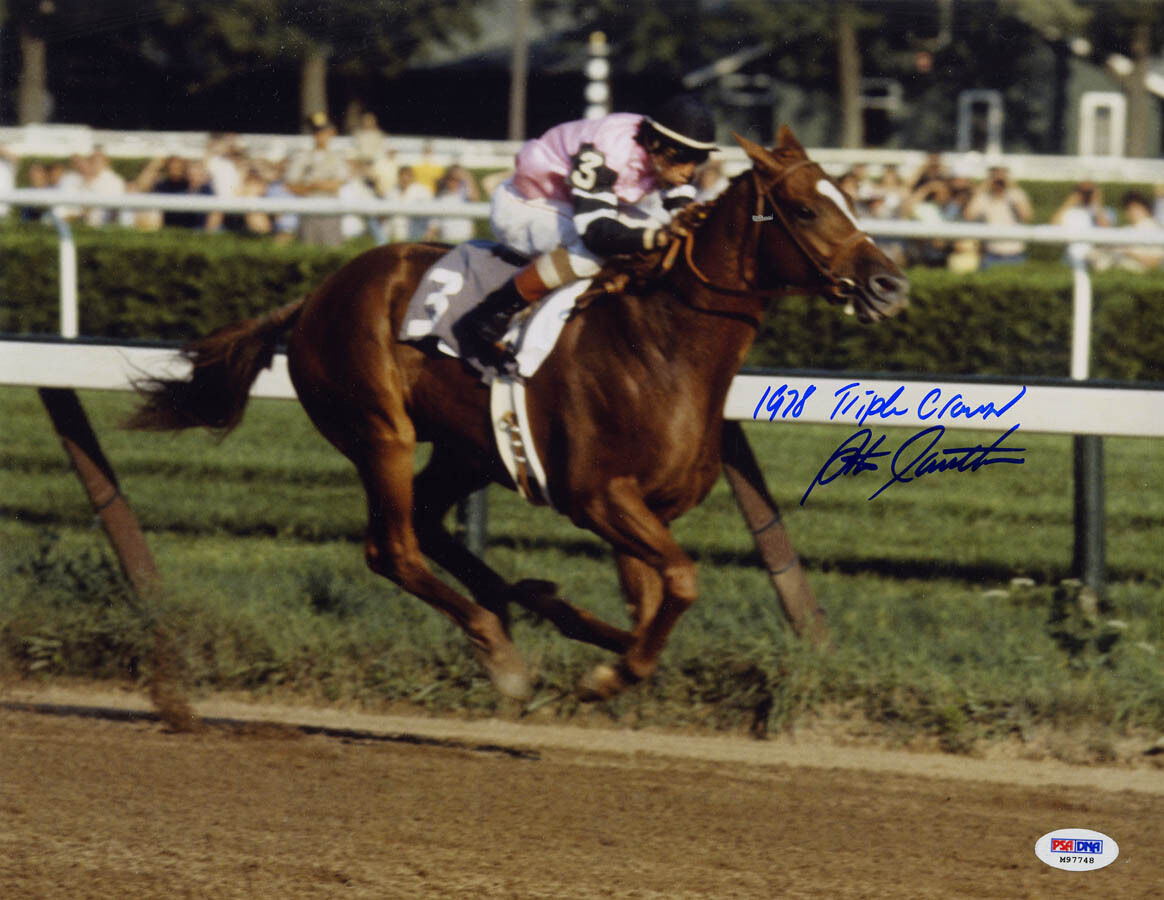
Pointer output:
x,y
307,206
1044,409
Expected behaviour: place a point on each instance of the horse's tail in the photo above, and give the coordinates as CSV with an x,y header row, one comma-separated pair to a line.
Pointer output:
x,y
224,365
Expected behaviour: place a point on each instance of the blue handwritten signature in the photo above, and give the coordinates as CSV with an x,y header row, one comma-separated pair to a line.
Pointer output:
x,y
914,459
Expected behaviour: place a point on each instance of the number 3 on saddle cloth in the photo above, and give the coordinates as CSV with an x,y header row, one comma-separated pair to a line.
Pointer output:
x,y
460,280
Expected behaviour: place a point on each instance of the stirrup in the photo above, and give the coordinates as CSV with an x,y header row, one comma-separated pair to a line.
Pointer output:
x,y
500,355
494,353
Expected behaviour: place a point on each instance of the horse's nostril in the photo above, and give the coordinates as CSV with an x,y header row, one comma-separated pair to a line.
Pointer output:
x,y
889,287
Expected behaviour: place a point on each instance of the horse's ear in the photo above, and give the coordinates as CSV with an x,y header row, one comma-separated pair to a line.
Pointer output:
x,y
761,157
787,145
787,150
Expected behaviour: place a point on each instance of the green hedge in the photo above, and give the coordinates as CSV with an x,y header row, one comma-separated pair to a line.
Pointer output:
x,y
170,285
1008,321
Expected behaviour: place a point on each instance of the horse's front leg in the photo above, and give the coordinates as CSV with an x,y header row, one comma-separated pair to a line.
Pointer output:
x,y
642,586
657,577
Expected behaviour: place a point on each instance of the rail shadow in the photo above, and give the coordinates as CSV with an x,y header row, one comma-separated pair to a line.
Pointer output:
x,y
225,473
252,728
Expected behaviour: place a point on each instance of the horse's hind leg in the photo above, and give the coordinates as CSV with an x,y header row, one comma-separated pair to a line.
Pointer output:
x,y
393,551
445,480
371,427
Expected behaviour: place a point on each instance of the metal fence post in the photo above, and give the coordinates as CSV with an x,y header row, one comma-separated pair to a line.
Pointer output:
x,y
472,521
1088,558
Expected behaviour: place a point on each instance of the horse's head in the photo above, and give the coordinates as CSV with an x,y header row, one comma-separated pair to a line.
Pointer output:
x,y
809,237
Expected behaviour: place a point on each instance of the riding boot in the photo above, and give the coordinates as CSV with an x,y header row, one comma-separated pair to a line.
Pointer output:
x,y
480,331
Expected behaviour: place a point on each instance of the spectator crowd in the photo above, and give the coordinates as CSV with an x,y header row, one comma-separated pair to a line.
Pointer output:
x,y
937,194
368,170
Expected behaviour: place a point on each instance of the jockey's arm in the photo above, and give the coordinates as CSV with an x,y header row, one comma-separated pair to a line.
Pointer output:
x,y
596,208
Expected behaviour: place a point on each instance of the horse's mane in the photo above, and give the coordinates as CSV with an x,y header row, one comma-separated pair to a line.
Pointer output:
x,y
637,272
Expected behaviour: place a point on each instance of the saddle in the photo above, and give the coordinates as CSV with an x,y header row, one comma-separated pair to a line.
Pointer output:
x,y
460,280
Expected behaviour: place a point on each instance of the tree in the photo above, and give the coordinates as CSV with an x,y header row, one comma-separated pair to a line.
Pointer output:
x,y
849,75
41,25
811,44
31,19
33,99
354,39
1133,29
1058,23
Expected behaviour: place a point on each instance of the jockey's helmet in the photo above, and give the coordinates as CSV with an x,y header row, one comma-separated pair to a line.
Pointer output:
x,y
684,127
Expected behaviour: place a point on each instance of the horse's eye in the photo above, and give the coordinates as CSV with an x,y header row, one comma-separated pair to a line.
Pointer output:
x,y
805,213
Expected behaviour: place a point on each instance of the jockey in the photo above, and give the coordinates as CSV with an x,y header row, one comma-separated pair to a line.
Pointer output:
x,y
569,199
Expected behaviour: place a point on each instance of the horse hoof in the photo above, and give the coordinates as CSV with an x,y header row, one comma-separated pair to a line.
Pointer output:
x,y
514,685
601,683
507,672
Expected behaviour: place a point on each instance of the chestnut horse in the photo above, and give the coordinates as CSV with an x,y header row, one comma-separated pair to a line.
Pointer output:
x,y
626,412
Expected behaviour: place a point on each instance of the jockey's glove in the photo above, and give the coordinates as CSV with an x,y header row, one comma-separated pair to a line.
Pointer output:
x,y
660,237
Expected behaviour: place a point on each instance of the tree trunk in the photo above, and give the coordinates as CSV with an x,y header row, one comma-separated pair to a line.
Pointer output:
x,y
1056,140
313,83
33,95
519,71
1138,105
849,77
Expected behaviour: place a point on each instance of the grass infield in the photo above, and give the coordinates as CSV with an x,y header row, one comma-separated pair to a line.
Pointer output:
x,y
947,598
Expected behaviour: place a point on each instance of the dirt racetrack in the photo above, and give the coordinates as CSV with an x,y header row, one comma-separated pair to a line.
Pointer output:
x,y
98,799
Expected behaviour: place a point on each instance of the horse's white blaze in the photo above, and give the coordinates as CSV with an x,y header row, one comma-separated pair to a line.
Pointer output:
x,y
826,188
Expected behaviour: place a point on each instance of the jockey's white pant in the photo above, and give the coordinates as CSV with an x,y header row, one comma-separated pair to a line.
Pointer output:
x,y
538,225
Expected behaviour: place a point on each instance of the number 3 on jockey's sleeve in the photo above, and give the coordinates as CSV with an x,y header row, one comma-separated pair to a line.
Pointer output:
x,y
596,208
589,170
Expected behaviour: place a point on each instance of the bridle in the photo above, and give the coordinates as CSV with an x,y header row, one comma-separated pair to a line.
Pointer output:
x,y
837,286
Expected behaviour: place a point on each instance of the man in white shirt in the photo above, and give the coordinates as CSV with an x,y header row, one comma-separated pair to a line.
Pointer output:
x,y
999,201
73,180
356,189
411,228
102,181
318,171
222,162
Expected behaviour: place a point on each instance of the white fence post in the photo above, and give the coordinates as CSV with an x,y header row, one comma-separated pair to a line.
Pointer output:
x,y
1081,311
69,314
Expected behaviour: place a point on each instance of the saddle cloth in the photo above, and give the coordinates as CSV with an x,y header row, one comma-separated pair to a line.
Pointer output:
x,y
458,281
